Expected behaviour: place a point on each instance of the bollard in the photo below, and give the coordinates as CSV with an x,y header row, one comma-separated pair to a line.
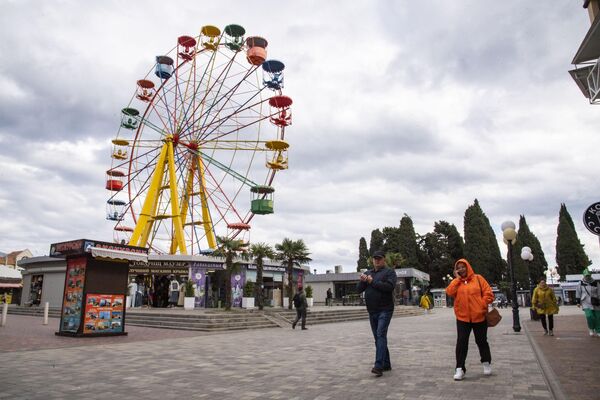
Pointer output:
x,y
4,313
46,306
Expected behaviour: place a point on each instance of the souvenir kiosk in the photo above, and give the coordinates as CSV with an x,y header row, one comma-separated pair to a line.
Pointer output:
x,y
95,286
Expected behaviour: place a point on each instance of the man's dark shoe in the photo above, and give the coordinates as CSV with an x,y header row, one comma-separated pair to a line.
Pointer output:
x,y
304,329
377,371
387,368
293,325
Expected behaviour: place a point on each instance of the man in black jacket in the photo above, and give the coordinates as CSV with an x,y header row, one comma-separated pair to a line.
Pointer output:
x,y
378,285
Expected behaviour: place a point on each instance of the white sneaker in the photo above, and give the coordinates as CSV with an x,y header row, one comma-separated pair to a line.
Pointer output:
x,y
487,368
592,333
459,375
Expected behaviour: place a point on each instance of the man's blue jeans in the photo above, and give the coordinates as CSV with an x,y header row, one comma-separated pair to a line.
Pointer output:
x,y
380,321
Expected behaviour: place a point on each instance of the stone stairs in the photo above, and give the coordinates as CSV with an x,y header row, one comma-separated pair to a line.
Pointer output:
x,y
219,320
338,314
53,312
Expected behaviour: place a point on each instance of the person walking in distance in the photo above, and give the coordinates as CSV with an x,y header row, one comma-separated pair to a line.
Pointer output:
x,y
588,298
378,285
544,303
329,297
301,305
472,295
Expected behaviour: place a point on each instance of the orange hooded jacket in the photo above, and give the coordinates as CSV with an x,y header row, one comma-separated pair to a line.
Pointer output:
x,y
471,295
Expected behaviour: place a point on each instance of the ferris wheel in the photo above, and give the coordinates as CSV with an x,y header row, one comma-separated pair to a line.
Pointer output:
x,y
199,144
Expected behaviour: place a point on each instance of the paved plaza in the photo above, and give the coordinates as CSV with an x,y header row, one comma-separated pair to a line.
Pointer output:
x,y
328,361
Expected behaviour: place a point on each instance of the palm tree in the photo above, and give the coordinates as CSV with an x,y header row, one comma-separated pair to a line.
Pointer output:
x,y
260,251
290,253
394,260
230,249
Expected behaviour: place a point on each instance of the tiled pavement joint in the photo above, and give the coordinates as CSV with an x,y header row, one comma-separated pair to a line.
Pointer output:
x,y
547,372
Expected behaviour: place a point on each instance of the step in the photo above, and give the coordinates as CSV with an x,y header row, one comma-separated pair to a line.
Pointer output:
x,y
211,329
178,317
197,324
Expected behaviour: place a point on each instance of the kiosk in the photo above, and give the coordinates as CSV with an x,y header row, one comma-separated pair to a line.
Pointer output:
x,y
95,286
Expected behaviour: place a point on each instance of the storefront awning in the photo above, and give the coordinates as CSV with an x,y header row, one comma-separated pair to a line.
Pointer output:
x,y
119,254
10,285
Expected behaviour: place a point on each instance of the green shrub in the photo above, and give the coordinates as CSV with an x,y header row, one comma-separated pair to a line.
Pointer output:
x,y
309,292
189,288
249,289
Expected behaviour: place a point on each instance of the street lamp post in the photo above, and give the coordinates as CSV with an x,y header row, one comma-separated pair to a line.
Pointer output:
x,y
447,279
527,257
510,235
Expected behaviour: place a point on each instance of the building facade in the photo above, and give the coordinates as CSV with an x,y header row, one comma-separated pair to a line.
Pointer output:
x,y
410,283
44,280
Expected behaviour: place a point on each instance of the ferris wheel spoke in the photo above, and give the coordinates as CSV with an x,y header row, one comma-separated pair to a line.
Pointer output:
x,y
206,73
238,113
240,106
228,95
238,129
224,199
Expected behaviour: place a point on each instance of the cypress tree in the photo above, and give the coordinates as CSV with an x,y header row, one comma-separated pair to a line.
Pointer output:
x,y
434,257
481,248
454,242
363,255
570,255
408,243
376,241
391,237
525,269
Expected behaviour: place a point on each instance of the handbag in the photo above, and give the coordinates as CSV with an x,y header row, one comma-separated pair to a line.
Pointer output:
x,y
492,317
534,314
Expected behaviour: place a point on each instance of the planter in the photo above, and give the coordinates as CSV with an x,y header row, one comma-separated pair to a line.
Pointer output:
x,y
309,301
188,303
286,302
247,302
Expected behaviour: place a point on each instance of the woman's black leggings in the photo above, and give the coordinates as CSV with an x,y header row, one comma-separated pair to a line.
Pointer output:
x,y
463,330
550,321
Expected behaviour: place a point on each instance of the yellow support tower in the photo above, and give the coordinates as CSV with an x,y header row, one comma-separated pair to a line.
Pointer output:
x,y
189,193
143,228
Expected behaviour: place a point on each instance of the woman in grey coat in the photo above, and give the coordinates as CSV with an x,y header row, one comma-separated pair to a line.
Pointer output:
x,y
588,298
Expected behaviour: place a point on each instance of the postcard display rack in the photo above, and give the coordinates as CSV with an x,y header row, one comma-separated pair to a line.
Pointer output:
x,y
95,286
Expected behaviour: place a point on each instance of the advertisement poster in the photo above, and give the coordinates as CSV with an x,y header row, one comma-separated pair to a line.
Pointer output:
x,y
300,278
237,287
103,313
73,295
199,278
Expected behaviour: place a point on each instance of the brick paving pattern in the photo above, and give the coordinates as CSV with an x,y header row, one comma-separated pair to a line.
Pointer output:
x,y
329,361
572,354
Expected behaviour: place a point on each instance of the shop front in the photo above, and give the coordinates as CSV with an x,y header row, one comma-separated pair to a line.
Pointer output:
x,y
10,285
273,282
157,283
209,278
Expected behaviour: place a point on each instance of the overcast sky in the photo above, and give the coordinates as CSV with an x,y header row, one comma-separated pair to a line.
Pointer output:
x,y
399,107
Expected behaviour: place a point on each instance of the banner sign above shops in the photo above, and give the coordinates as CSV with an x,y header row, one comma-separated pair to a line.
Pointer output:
x,y
82,246
158,270
159,267
208,265
159,264
268,268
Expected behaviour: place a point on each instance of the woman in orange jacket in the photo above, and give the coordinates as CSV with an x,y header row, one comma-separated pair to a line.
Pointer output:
x,y
472,294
